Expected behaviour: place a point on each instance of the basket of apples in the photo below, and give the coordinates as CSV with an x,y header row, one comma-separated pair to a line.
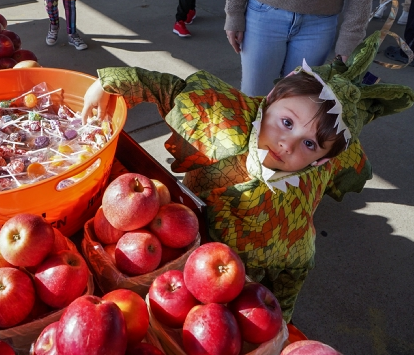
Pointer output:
x,y
41,272
212,307
11,52
116,323
137,234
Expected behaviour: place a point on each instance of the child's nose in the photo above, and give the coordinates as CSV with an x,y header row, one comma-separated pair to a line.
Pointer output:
x,y
286,146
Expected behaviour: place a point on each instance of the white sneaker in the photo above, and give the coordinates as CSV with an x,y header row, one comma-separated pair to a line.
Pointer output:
x,y
77,42
380,12
52,36
403,18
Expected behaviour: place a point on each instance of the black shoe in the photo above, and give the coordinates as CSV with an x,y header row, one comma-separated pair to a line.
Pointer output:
x,y
394,53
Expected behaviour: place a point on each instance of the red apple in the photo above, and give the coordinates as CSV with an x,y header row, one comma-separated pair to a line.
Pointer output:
x,y
138,252
135,312
163,192
46,342
309,347
211,329
175,224
6,46
61,278
3,22
17,42
91,326
6,349
7,63
105,232
169,298
60,243
170,254
214,273
24,54
110,249
17,296
130,201
26,239
144,349
257,312
4,262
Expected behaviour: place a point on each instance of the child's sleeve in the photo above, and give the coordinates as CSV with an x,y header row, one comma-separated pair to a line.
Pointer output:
x,y
138,85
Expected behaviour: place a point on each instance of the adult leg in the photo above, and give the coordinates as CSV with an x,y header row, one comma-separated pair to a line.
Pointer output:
x,y
264,47
311,38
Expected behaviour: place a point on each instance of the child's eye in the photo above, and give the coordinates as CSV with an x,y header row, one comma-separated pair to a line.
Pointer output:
x,y
287,123
310,144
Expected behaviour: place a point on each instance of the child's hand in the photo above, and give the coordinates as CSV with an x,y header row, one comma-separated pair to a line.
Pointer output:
x,y
95,97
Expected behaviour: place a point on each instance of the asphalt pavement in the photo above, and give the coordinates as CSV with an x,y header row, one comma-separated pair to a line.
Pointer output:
x,y
360,297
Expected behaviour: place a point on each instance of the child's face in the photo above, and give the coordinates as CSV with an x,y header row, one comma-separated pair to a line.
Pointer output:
x,y
289,133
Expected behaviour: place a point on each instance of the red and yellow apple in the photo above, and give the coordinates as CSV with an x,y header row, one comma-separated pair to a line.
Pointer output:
x,y
257,312
26,239
176,225
105,232
169,298
309,347
46,341
211,329
138,252
61,278
130,201
91,326
135,312
214,273
17,296
163,192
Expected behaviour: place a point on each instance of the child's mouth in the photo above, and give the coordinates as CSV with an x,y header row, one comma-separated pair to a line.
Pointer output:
x,y
275,156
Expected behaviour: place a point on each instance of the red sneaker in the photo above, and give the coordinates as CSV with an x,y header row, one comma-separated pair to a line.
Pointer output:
x,y
190,17
181,30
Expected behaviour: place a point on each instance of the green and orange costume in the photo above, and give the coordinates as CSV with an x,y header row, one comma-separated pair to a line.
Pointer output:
x,y
266,217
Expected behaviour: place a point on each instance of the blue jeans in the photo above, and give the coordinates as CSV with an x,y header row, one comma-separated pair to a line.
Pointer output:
x,y
276,41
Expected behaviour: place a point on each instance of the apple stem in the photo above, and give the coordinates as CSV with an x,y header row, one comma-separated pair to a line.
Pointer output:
x,y
138,186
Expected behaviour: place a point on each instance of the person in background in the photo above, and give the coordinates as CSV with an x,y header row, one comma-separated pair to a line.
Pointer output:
x,y
394,52
185,15
70,13
404,15
272,36
263,164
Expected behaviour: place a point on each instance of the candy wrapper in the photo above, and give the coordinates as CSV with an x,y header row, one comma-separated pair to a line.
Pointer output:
x,y
39,139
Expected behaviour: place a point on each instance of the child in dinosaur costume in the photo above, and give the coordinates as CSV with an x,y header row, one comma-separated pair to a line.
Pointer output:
x,y
263,213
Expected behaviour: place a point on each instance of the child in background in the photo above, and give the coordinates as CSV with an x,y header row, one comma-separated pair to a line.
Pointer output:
x,y
186,13
263,164
70,14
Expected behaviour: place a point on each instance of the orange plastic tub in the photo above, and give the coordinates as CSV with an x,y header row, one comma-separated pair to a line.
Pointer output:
x,y
67,209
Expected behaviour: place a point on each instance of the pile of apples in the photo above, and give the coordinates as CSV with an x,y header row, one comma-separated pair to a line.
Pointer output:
x,y
213,304
39,271
140,227
11,52
114,324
